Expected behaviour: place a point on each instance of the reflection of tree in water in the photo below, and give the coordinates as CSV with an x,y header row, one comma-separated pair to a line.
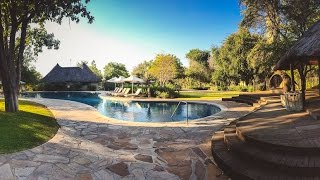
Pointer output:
x,y
117,106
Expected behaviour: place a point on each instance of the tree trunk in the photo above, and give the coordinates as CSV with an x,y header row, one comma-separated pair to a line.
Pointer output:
x,y
7,71
292,77
302,73
303,90
22,46
11,98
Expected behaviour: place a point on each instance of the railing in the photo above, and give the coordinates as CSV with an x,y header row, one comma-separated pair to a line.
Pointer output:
x,y
178,107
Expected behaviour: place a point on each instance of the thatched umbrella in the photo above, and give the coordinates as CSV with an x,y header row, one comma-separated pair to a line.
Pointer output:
x,y
306,51
133,79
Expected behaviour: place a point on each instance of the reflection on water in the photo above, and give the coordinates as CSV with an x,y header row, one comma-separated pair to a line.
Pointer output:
x,y
135,111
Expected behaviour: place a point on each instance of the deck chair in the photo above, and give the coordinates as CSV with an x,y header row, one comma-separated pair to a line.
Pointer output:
x,y
119,93
137,93
125,93
114,91
120,90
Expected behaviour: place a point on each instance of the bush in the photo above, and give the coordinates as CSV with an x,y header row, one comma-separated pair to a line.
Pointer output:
x,y
244,89
163,92
192,83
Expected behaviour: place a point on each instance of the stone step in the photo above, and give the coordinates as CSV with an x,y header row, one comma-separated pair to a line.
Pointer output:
x,y
240,100
227,99
253,100
237,167
249,96
297,164
245,100
274,145
314,114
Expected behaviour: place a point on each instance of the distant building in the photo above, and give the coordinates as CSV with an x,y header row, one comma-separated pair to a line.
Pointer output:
x,y
71,78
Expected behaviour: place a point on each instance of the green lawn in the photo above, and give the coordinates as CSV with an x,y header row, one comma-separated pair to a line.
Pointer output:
x,y
31,126
206,95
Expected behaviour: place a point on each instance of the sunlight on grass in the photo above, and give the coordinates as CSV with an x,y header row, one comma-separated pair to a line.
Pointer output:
x,y
33,125
206,95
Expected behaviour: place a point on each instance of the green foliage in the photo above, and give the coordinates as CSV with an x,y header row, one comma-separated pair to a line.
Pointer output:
x,y
29,74
32,126
280,19
198,65
142,70
199,56
165,68
113,69
192,83
40,37
231,62
163,92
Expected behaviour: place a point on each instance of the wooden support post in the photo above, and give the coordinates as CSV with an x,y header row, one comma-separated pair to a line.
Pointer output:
x,y
292,78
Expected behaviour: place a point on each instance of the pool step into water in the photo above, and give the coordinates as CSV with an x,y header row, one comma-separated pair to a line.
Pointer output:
x,y
243,157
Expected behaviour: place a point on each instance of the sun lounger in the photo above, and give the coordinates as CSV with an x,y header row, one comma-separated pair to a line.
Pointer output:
x,y
137,93
120,93
120,90
125,93
114,91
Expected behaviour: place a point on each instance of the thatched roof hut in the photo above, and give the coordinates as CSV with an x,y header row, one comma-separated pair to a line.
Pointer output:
x,y
306,49
71,75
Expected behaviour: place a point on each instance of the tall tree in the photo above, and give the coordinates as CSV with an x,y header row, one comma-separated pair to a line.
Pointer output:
x,y
113,69
198,64
288,20
142,70
15,19
165,67
231,61
280,19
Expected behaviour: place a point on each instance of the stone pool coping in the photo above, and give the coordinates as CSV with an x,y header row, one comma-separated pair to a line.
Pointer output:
x,y
204,120
195,122
222,108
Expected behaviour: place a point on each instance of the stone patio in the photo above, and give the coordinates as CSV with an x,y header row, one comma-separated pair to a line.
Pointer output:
x,y
91,146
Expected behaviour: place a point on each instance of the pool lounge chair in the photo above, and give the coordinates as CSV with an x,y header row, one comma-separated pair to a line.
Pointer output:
x,y
114,91
120,90
137,93
126,92
122,93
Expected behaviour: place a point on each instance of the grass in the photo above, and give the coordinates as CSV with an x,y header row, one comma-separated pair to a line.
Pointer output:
x,y
33,125
206,95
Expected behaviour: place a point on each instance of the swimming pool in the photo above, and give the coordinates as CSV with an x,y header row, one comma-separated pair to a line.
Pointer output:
x,y
137,111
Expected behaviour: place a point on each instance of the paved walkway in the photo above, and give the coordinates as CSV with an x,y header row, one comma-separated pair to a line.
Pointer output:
x,y
91,146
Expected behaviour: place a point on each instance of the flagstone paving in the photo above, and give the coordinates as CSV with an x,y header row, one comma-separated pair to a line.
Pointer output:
x,y
91,146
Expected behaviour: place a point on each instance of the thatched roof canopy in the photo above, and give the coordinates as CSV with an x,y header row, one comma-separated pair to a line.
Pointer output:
x,y
306,49
71,74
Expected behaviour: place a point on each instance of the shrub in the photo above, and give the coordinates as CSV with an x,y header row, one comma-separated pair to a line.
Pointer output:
x,y
163,92
192,83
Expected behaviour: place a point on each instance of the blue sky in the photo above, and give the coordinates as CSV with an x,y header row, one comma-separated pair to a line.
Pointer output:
x,y
130,31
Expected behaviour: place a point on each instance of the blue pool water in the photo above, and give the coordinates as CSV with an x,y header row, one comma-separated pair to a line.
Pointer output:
x,y
138,111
